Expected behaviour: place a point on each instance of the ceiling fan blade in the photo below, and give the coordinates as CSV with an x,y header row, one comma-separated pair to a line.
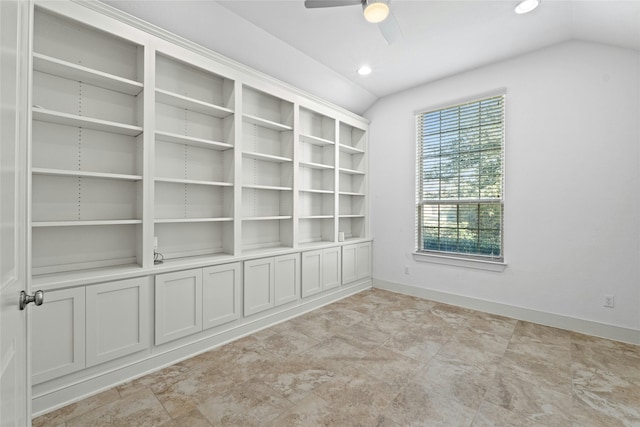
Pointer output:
x,y
390,30
312,4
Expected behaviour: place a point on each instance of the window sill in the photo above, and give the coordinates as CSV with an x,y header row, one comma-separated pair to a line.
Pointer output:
x,y
477,264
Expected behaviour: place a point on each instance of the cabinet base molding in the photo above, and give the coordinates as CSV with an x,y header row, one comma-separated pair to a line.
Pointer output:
x,y
48,397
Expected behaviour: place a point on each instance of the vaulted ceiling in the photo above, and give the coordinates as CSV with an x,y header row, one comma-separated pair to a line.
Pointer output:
x,y
319,50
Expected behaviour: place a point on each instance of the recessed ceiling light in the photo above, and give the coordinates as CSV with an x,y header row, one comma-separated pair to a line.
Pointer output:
x,y
526,6
364,70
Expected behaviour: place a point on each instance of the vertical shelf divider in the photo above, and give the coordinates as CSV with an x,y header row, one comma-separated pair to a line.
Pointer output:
x,y
237,172
296,174
148,168
336,182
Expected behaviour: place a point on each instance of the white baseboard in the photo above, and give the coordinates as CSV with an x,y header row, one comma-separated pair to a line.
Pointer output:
x,y
587,327
80,388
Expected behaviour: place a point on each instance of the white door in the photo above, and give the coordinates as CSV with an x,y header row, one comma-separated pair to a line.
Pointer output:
x,y
258,285
15,385
331,268
286,281
363,261
311,273
349,259
220,294
178,307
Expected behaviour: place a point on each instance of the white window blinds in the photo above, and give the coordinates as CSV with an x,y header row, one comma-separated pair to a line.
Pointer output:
x,y
460,152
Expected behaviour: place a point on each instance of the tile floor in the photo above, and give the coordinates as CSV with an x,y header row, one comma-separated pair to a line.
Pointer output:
x,y
383,359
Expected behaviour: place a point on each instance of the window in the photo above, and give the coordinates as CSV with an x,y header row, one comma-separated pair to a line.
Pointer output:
x,y
460,165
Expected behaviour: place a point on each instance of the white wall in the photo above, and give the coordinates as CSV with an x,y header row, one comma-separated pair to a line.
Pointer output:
x,y
572,202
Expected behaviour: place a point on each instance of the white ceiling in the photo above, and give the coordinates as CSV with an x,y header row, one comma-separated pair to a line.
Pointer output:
x,y
319,50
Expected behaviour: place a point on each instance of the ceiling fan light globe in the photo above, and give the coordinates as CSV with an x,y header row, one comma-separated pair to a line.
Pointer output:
x,y
526,6
375,11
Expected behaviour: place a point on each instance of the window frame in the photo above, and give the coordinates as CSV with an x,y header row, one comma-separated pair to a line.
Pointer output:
x,y
479,261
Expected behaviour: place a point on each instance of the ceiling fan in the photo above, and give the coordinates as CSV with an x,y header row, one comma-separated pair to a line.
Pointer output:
x,y
375,11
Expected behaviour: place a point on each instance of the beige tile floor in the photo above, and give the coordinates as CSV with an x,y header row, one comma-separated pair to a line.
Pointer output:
x,y
384,359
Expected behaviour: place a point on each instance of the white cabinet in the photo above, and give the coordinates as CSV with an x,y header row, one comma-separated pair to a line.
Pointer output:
x,y
58,335
331,268
269,282
88,325
259,276
178,305
320,270
221,294
356,262
117,319
191,301
363,261
311,273
286,282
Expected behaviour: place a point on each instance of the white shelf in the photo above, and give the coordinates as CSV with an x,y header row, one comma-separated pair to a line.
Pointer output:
x,y
351,216
267,187
190,220
266,218
310,190
315,140
316,217
266,123
315,165
57,67
348,193
50,116
266,249
315,243
350,150
351,171
84,223
194,182
195,142
82,174
184,102
79,277
266,157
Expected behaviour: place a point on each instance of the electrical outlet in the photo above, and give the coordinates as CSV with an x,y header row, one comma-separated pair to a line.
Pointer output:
x,y
406,269
155,243
609,301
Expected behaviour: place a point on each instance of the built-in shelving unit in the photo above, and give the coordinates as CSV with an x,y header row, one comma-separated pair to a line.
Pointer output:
x,y
86,161
145,147
352,182
267,171
194,160
317,170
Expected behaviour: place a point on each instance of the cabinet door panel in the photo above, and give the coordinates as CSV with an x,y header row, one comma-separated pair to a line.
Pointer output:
x,y
178,304
311,273
258,285
117,319
331,268
363,263
349,260
287,278
58,335
220,294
